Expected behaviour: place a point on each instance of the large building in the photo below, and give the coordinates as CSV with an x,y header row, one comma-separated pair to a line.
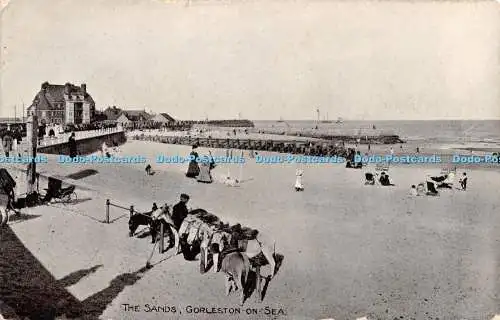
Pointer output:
x,y
62,104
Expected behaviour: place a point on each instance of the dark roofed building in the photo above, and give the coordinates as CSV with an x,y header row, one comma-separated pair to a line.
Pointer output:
x,y
61,104
112,113
136,115
163,118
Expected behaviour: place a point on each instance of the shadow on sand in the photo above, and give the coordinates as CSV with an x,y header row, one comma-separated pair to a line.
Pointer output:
x,y
76,276
71,202
21,217
95,305
82,174
31,291
119,217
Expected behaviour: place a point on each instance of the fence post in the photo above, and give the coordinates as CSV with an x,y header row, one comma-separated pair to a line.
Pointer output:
x,y
107,210
131,211
162,237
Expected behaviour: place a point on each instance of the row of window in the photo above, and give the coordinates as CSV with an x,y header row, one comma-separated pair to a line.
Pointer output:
x,y
51,113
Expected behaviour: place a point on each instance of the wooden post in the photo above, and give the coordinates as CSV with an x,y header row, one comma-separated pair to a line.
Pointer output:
x,y
107,210
258,280
162,238
202,261
131,211
32,137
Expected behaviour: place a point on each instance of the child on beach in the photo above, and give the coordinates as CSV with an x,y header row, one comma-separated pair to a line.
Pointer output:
x,y
410,201
298,181
413,191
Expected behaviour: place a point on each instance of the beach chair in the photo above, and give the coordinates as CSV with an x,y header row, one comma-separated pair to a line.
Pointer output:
x,y
382,167
445,171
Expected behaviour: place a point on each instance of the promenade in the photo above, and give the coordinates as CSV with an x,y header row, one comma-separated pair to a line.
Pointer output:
x,y
61,138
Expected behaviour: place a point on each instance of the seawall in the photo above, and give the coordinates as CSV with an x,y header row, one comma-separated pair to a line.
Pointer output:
x,y
86,146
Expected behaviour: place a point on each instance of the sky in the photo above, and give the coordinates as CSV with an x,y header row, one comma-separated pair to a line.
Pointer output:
x,y
359,60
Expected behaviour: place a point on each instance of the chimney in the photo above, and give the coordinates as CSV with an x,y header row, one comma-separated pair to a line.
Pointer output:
x,y
67,88
45,85
84,88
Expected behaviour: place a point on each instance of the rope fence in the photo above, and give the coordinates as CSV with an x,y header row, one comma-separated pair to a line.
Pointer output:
x,y
109,204
132,211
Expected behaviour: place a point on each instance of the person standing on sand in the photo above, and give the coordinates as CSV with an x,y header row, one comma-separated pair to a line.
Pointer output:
x,y
193,169
463,181
180,211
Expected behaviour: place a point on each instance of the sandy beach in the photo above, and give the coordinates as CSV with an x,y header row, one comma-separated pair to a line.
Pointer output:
x,y
349,250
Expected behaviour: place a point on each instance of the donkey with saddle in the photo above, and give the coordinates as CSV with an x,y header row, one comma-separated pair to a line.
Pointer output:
x,y
233,250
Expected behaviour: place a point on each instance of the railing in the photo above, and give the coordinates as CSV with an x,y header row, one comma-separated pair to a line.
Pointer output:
x,y
79,135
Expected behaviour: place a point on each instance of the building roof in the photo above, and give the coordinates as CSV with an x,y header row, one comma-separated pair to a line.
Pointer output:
x,y
52,94
162,117
167,116
136,115
112,113
123,118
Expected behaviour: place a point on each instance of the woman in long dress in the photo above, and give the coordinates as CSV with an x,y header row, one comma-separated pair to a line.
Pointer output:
x,y
204,175
193,169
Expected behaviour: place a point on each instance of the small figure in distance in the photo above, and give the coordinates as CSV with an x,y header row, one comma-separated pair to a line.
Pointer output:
x,y
413,191
299,186
463,181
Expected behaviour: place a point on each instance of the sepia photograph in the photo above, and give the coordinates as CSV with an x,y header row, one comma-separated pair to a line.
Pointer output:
x,y
250,159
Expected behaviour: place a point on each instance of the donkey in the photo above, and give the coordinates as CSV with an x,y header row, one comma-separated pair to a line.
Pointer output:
x,y
141,219
236,268
252,245
162,216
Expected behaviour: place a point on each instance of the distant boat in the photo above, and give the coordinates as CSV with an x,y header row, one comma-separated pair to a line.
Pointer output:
x,y
340,120
281,120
